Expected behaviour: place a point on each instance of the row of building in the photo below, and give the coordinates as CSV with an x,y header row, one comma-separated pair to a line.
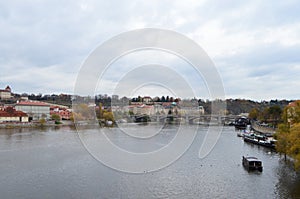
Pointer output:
x,y
26,111
159,109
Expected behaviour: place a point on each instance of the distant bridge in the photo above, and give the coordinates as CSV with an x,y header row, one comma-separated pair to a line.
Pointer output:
x,y
194,119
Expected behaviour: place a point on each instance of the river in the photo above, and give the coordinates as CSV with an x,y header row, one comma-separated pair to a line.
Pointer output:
x,y
53,163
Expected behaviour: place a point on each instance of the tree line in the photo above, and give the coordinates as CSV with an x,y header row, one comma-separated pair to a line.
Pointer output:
x,y
288,133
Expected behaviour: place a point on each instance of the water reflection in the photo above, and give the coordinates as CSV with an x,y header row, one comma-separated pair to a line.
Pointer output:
x,y
288,185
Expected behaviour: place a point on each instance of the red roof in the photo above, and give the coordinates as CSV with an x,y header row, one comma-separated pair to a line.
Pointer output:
x,y
294,103
11,112
31,103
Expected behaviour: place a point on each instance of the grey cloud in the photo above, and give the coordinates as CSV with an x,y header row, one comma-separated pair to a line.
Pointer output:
x,y
37,35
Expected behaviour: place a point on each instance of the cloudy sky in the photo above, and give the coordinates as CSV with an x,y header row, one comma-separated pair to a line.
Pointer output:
x,y
255,45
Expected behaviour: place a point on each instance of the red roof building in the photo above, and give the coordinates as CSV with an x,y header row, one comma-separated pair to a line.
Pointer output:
x,y
64,113
9,114
35,109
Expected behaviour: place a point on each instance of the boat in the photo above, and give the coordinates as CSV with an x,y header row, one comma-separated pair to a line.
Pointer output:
x,y
241,133
241,123
261,140
252,163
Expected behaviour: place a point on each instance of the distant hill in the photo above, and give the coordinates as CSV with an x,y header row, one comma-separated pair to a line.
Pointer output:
x,y
234,106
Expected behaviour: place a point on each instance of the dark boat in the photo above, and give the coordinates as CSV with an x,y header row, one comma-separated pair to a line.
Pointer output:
x,y
259,140
252,163
241,123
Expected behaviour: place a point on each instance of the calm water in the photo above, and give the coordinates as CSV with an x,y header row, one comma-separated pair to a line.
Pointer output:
x,y
52,163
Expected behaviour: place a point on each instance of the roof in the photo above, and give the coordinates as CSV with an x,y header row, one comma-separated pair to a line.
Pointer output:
x,y
32,103
11,112
252,159
294,103
7,91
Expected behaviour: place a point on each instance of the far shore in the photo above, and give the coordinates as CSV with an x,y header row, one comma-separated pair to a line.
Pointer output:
x,y
12,125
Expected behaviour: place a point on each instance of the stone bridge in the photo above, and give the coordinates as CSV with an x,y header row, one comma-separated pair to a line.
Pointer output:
x,y
195,119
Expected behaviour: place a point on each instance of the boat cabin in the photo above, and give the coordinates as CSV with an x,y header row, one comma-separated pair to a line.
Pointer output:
x,y
252,163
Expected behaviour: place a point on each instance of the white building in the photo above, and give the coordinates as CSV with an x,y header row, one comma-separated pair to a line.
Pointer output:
x,y
34,109
5,93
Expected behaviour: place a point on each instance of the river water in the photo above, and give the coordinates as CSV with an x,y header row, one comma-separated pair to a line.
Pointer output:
x,y
53,163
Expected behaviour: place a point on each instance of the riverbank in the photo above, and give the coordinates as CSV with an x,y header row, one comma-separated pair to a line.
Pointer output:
x,y
12,125
263,129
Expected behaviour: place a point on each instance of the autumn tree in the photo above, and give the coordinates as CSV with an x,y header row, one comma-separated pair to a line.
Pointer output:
x,y
108,116
288,133
294,147
253,114
283,142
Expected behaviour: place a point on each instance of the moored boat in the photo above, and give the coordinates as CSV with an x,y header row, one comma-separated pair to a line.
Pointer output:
x,y
241,123
259,140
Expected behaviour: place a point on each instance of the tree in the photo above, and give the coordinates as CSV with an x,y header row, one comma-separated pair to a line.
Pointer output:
x,y
108,116
275,114
100,113
294,148
84,111
42,121
253,114
139,99
282,136
288,133
56,118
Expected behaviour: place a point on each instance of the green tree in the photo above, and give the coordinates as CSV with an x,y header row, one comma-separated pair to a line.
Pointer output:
x,y
264,115
283,141
42,121
275,114
56,118
254,114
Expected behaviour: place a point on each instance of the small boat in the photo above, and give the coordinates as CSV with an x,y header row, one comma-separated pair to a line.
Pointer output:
x,y
252,163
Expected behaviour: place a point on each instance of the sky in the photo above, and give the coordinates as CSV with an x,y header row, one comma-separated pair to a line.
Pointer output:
x,y
254,45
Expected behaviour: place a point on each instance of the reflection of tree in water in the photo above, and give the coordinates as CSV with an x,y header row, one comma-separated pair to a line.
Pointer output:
x,y
289,181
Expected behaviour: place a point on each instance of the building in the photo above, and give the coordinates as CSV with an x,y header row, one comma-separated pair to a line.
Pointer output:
x,y
9,114
292,113
34,109
141,109
147,100
64,113
5,93
115,97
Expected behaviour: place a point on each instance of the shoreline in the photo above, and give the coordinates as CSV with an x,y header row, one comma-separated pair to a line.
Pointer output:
x,y
32,125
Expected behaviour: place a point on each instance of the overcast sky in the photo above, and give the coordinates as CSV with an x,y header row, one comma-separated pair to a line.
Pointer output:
x,y
255,45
